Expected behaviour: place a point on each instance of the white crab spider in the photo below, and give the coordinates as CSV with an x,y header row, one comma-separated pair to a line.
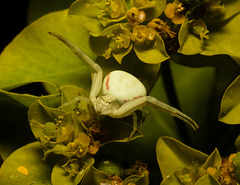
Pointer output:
x,y
120,94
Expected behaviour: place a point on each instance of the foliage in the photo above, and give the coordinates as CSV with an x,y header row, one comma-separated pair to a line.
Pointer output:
x,y
75,145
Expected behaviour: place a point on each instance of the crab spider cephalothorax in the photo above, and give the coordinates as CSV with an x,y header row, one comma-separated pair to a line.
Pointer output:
x,y
120,94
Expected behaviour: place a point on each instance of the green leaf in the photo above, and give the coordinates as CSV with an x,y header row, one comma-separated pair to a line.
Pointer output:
x,y
52,100
152,53
207,180
190,44
214,160
224,38
87,12
25,166
172,154
34,55
95,15
230,106
61,176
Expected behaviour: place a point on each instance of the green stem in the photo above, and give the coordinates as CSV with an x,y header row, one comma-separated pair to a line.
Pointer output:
x,y
168,83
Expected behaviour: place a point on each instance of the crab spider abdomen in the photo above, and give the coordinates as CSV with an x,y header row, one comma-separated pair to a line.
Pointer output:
x,y
123,86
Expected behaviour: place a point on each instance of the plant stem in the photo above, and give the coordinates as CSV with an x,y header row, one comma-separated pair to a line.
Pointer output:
x,y
168,83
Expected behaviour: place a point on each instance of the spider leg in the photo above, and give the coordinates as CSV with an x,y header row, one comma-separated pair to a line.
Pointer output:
x,y
76,99
94,67
135,126
133,105
153,102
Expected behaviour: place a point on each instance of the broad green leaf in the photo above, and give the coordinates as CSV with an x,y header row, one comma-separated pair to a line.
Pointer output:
x,y
34,55
230,106
152,53
52,100
172,154
25,166
193,173
214,160
87,12
95,15
224,38
207,180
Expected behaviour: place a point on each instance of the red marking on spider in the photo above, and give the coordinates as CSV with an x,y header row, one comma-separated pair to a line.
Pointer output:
x,y
133,98
107,82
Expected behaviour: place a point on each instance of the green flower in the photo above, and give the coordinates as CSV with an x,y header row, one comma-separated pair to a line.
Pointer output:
x,y
210,29
118,41
142,35
79,147
114,10
114,41
176,12
199,28
135,17
112,26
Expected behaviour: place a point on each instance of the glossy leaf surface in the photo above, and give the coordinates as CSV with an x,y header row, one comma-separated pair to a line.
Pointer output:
x,y
25,166
230,105
63,67
172,154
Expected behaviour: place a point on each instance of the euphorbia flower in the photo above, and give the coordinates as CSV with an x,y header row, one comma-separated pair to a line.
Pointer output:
x,y
142,34
113,9
176,12
114,41
79,147
135,17
199,28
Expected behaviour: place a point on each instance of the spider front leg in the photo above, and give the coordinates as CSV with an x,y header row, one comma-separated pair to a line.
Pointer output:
x,y
94,67
129,107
